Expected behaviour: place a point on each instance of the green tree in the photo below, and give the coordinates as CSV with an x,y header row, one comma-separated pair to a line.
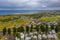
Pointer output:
x,y
4,31
31,29
14,30
52,26
42,28
27,29
57,28
20,29
46,28
9,31
37,28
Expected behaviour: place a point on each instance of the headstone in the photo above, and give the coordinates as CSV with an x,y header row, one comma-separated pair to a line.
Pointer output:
x,y
49,36
22,36
54,37
39,37
53,31
44,36
17,38
28,38
30,33
35,37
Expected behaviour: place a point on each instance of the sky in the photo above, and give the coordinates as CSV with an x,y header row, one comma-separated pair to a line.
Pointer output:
x,y
29,4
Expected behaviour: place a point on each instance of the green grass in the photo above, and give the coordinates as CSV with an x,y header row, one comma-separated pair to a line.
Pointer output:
x,y
50,18
5,21
13,23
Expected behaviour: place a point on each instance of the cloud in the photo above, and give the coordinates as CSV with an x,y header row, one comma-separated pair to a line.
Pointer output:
x,y
29,4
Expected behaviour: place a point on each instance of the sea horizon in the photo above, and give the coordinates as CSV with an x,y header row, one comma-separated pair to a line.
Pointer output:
x,y
9,12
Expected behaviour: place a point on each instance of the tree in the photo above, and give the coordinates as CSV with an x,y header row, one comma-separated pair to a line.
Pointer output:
x,y
9,31
20,29
14,30
27,29
46,28
52,26
57,28
42,28
31,28
37,28
4,31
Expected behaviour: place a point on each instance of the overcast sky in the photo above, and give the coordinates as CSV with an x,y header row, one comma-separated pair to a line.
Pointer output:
x,y
29,4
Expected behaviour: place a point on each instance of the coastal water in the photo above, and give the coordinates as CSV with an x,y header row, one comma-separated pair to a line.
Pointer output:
x,y
7,12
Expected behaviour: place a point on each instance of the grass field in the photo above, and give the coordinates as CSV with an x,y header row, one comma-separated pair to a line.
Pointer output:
x,y
6,21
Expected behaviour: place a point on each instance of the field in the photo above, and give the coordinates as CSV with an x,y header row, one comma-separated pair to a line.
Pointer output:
x,y
10,21
17,22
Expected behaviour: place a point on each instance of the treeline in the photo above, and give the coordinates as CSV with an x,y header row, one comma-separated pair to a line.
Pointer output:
x,y
27,29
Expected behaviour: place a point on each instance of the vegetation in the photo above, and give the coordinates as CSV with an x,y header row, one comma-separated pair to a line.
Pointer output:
x,y
9,31
20,29
27,29
14,30
4,31
17,23
10,21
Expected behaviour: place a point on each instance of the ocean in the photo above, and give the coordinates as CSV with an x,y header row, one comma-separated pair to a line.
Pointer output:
x,y
8,12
